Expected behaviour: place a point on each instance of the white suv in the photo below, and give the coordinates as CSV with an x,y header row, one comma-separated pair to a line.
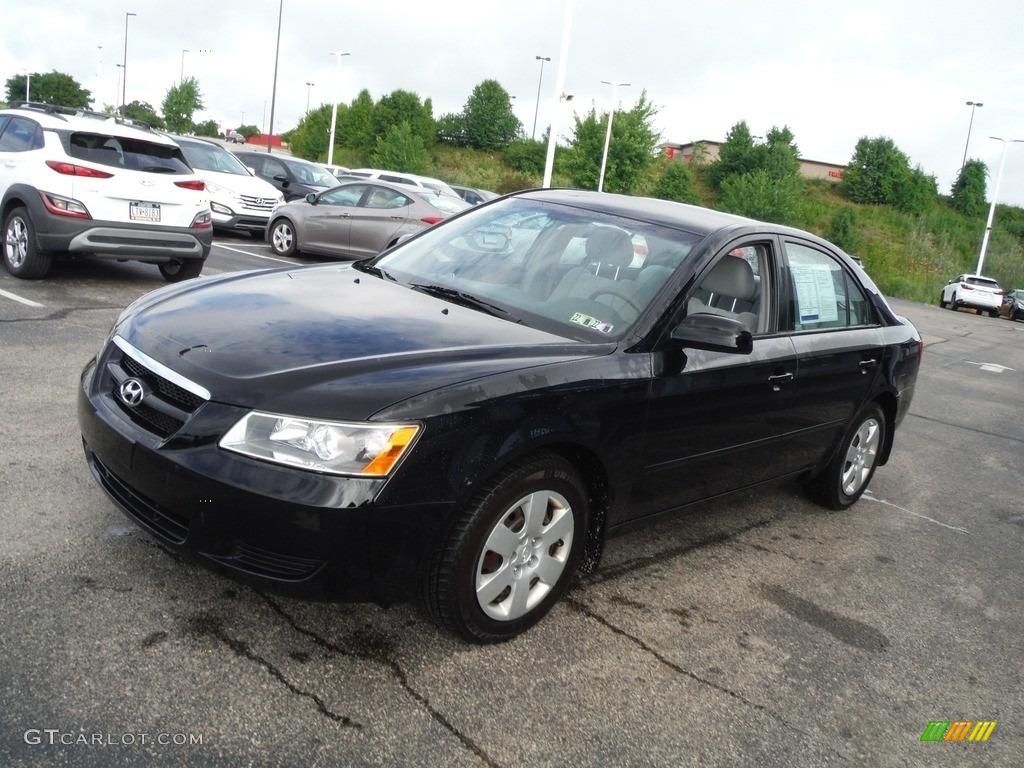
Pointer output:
x,y
90,184
974,291
412,179
239,201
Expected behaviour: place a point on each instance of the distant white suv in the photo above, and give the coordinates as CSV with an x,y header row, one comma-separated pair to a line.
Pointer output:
x,y
973,291
89,184
239,201
412,179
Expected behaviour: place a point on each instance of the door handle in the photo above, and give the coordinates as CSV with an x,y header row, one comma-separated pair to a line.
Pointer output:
x,y
778,379
865,364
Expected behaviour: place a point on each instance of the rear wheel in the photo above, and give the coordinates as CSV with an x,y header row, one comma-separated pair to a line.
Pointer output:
x,y
22,256
953,304
942,302
511,555
848,475
993,313
176,270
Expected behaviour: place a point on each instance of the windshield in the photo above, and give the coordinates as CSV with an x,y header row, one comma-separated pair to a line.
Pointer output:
x,y
313,175
569,271
207,157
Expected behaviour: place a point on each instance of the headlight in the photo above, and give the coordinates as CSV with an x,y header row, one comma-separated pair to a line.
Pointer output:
x,y
338,448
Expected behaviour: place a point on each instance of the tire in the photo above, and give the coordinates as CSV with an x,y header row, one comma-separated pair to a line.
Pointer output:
x,y
283,240
850,471
942,302
993,313
511,555
953,304
176,270
22,256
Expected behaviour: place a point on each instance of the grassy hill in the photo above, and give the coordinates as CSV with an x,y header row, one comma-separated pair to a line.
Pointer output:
x,y
908,256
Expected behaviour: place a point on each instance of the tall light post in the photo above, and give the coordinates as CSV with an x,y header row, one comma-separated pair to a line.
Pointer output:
x,y
536,109
309,87
973,105
334,104
120,69
608,133
181,77
273,91
563,57
992,208
28,85
124,64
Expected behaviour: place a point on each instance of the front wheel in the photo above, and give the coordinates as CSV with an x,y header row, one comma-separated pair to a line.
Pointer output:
x,y
848,474
511,555
176,270
953,303
22,256
282,237
942,302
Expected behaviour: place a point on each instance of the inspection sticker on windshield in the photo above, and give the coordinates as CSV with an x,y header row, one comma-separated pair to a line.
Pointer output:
x,y
591,322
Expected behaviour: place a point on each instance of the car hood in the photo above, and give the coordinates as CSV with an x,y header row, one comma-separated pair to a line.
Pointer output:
x,y
329,341
240,185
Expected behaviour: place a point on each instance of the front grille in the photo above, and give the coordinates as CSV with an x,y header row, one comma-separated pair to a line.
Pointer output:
x,y
165,409
164,523
263,562
254,203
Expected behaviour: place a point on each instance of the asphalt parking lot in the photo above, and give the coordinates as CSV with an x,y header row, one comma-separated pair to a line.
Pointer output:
x,y
756,631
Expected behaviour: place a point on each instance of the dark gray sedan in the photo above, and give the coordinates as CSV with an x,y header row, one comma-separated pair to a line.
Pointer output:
x,y
357,219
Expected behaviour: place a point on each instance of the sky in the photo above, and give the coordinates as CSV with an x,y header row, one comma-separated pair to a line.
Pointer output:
x,y
833,72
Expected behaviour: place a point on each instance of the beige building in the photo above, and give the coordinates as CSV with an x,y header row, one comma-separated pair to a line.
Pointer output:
x,y
703,152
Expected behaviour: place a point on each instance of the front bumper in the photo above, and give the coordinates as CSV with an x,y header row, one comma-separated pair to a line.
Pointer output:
x,y
287,530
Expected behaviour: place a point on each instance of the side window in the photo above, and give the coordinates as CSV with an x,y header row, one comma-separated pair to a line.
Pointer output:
x,y
824,294
21,135
736,286
381,197
274,168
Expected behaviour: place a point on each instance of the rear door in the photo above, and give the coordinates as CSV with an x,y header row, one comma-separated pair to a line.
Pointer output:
x,y
380,217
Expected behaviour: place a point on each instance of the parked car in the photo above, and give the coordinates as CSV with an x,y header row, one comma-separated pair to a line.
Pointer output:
x,y
357,219
467,417
411,179
1013,305
239,201
88,184
234,137
472,195
338,171
293,176
973,291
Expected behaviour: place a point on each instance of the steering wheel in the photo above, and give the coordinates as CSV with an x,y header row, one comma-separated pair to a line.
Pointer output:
x,y
619,293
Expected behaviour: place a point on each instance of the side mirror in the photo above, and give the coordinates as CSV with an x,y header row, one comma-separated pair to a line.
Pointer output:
x,y
714,333
311,198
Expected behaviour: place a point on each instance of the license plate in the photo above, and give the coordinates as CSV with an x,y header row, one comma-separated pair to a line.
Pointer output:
x,y
144,211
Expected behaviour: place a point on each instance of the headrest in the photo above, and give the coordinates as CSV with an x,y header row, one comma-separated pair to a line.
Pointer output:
x,y
732,276
611,246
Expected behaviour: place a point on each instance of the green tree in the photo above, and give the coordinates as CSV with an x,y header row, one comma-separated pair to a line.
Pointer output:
x,y
181,102
399,149
842,230
357,132
207,128
143,111
632,150
677,183
527,156
405,107
54,87
451,128
968,193
760,195
737,155
880,174
489,122
310,137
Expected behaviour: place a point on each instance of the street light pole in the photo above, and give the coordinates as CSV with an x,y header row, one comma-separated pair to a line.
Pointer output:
x,y
334,105
28,85
992,208
124,64
608,134
973,105
273,92
181,77
536,109
309,87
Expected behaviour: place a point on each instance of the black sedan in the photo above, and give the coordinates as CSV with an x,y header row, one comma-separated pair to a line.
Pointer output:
x,y
468,416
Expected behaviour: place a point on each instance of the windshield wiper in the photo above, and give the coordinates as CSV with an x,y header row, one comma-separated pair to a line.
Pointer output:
x,y
373,270
466,300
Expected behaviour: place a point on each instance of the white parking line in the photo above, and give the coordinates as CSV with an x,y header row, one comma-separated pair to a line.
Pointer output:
x,y
15,297
869,497
257,255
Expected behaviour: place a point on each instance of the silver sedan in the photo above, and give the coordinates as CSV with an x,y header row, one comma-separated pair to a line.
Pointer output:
x,y
356,220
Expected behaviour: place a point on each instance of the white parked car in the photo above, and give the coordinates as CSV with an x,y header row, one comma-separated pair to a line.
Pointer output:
x,y
239,201
973,291
91,184
412,179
